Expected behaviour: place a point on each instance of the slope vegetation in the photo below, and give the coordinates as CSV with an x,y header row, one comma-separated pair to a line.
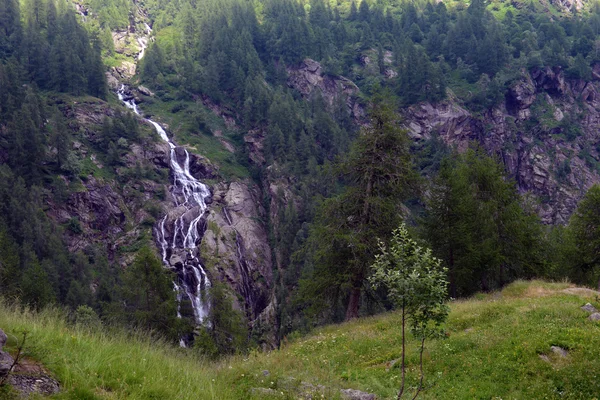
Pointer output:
x,y
498,345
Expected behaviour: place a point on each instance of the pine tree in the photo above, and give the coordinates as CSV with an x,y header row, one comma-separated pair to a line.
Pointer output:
x,y
378,176
476,224
363,11
150,300
10,28
35,286
584,228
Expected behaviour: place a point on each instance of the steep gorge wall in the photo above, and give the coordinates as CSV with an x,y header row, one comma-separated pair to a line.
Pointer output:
x,y
546,132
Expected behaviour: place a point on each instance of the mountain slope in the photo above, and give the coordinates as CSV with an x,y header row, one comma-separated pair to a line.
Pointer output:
x,y
498,346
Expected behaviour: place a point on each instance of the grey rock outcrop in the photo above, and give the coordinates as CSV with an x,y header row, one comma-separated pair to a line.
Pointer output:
x,y
352,394
3,339
568,6
101,210
308,77
145,91
34,385
594,317
589,308
6,361
236,250
553,158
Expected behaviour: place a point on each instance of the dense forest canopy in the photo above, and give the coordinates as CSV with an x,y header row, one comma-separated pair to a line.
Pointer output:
x,y
216,49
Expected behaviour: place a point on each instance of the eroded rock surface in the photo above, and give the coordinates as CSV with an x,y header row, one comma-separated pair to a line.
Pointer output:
x,y
6,361
589,308
551,157
308,77
235,248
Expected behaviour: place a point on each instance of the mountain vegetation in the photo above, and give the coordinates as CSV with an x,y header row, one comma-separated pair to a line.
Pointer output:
x,y
497,344
305,106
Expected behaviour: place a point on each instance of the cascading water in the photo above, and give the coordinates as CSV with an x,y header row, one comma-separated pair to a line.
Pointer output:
x,y
143,42
178,232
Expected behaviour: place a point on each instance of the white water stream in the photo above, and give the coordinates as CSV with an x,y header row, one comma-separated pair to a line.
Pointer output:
x,y
178,233
143,42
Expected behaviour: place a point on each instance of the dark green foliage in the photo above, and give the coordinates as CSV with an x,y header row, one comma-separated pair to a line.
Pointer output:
x,y
113,14
226,329
35,285
149,301
580,69
378,176
585,230
50,48
10,27
477,225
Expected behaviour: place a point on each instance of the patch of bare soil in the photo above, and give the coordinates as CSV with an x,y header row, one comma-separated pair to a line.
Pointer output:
x,y
29,377
579,291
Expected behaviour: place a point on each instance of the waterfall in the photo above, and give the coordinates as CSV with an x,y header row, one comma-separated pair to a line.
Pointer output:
x,y
143,42
178,233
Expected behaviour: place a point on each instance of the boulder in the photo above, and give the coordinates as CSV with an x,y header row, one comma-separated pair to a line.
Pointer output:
x,y
2,339
353,394
145,91
595,317
6,361
30,386
559,351
589,308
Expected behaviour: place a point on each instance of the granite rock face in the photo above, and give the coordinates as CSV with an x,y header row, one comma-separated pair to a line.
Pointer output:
x,y
6,361
546,132
308,78
235,249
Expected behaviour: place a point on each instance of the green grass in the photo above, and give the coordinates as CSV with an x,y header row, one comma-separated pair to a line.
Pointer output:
x,y
112,364
492,351
186,132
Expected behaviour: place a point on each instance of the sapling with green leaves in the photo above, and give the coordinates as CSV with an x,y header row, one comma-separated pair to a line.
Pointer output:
x,y
417,285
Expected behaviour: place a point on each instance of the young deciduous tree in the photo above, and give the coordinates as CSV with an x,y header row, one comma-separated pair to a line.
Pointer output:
x,y
416,284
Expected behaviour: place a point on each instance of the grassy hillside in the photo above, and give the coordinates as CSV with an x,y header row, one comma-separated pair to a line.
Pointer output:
x,y
498,346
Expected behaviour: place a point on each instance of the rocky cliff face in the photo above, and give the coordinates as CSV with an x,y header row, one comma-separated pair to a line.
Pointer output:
x,y
308,78
235,249
103,210
98,207
546,132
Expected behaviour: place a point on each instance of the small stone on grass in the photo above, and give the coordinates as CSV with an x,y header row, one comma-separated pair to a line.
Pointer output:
x,y
589,308
594,317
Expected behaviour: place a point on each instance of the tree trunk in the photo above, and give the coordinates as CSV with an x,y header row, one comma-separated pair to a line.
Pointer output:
x,y
353,303
451,274
403,362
